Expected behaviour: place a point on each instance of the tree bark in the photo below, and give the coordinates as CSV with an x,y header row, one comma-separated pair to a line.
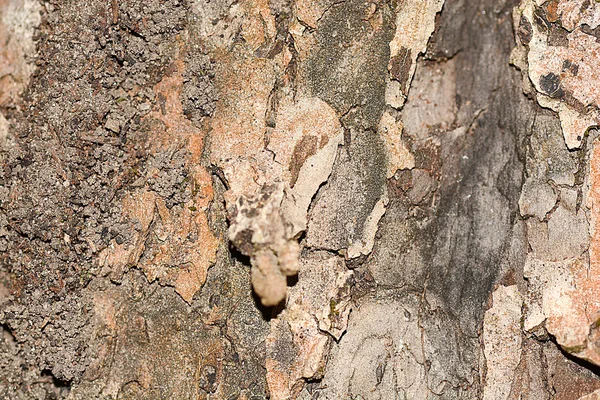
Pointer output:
x,y
299,199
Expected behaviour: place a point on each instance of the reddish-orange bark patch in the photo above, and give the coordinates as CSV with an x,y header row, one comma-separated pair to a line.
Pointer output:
x,y
191,259
576,328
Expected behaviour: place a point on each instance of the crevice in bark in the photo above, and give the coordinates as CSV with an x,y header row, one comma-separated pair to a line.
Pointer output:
x,y
595,369
63,386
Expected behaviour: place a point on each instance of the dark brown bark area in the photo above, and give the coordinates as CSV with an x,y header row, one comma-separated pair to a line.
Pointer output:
x,y
82,142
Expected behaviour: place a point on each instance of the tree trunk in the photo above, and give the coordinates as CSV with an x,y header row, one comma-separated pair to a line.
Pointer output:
x,y
299,199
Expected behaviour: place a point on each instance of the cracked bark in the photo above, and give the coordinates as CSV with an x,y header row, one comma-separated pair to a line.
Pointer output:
x,y
307,199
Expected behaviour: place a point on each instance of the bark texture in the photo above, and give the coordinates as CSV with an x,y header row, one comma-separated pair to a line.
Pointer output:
x,y
299,199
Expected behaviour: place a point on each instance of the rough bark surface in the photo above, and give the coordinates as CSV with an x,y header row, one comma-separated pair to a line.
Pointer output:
x,y
299,199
